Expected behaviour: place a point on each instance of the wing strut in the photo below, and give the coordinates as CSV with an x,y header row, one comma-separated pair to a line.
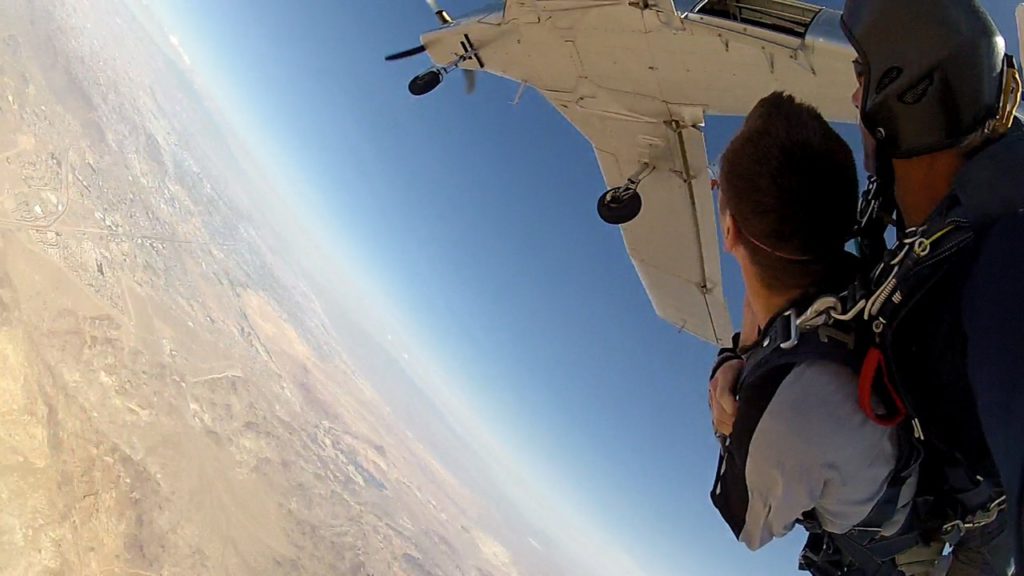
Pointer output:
x,y
677,130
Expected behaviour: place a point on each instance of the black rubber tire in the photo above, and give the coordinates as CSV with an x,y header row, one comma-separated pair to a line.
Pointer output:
x,y
425,83
623,210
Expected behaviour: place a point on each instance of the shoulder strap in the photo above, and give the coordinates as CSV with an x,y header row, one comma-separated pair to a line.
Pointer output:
x,y
784,343
984,191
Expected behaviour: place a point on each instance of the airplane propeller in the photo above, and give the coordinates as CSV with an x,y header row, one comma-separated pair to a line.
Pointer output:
x,y
406,53
432,78
470,78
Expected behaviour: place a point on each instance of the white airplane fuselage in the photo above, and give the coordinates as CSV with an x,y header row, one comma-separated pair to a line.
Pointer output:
x,y
612,56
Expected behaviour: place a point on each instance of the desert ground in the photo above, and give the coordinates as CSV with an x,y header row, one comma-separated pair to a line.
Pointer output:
x,y
172,400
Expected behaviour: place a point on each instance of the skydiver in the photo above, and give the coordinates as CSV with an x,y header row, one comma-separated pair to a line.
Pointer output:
x,y
946,122
937,94
801,450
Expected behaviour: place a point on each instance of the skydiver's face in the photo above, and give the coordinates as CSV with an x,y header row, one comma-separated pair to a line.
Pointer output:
x,y
858,71
866,138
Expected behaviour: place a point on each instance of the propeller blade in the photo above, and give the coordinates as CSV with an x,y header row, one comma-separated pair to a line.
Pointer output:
x,y
470,77
433,5
406,53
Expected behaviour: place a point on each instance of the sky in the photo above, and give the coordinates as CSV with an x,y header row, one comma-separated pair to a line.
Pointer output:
x,y
470,225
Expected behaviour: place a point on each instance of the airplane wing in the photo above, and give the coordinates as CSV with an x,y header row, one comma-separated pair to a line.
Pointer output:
x,y
673,243
637,79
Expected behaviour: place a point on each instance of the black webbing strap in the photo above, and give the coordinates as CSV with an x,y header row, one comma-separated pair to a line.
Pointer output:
x,y
783,343
872,559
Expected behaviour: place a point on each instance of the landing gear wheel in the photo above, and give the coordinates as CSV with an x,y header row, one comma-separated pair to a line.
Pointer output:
x,y
425,82
619,205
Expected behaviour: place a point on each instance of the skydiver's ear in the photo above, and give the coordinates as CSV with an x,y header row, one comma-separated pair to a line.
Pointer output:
x,y
730,240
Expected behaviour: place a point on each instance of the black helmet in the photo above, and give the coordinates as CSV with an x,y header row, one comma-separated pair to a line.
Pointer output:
x,y
933,71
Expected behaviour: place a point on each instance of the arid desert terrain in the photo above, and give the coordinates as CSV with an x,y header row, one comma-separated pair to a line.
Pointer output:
x,y
172,400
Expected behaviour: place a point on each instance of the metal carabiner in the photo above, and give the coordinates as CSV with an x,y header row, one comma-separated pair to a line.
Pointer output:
x,y
794,331
819,312
988,515
851,314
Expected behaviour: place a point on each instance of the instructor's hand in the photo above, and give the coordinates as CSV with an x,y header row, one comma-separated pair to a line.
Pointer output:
x,y
722,396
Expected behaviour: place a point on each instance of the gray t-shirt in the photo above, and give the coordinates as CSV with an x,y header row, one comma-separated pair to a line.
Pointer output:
x,y
812,448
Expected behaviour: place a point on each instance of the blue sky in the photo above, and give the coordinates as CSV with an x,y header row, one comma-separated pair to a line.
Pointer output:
x,y
472,223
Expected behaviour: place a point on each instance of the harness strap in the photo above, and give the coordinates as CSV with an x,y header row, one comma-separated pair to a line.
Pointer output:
x,y
856,552
905,275
784,342
869,558
889,502
819,556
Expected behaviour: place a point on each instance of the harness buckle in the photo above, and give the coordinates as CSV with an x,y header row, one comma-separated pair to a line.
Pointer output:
x,y
986,516
953,531
794,330
819,312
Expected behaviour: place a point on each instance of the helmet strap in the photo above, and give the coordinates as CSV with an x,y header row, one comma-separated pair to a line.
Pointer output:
x,y
1009,100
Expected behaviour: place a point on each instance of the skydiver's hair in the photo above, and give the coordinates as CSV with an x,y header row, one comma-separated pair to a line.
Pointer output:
x,y
790,182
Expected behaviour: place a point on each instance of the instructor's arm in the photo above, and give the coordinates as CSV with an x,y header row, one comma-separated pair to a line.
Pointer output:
x,y
993,313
